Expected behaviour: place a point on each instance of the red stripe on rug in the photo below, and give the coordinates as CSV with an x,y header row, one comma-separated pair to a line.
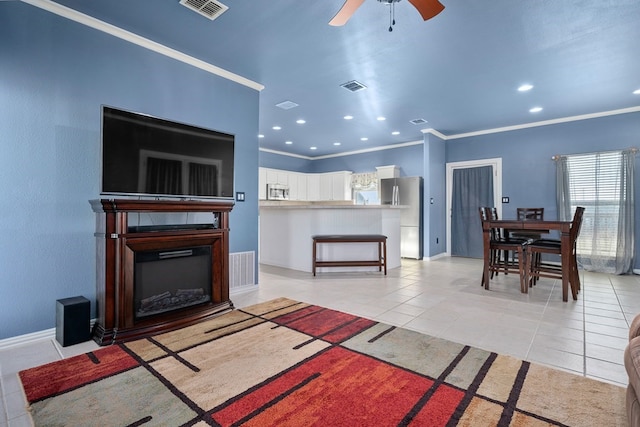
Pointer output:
x,y
298,314
337,387
57,377
440,407
348,330
317,323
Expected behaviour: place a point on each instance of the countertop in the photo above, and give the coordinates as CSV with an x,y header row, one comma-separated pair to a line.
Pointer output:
x,y
285,204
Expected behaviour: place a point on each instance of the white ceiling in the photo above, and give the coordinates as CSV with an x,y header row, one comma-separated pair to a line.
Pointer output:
x,y
458,71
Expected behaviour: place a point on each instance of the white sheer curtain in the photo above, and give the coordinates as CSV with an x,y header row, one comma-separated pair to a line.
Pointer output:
x,y
604,184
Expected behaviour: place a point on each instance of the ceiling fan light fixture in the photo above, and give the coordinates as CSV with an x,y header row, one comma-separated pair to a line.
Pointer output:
x,y
427,9
392,12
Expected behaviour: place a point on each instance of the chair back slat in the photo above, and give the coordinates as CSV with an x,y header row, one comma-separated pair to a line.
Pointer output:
x,y
490,214
524,214
576,223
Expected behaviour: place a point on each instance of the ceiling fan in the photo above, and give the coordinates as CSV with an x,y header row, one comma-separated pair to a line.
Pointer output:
x,y
427,8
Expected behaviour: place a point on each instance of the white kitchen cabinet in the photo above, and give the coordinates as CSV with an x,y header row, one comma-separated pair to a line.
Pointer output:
x,y
313,187
391,171
301,178
277,176
262,183
335,186
307,186
297,186
341,185
326,186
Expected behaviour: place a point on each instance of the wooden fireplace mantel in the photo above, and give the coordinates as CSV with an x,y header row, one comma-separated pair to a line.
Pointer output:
x,y
116,245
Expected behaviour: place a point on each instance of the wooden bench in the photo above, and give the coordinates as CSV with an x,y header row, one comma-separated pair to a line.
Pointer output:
x,y
352,238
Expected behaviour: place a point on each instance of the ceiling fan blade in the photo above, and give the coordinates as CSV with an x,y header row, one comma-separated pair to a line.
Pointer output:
x,y
427,8
343,15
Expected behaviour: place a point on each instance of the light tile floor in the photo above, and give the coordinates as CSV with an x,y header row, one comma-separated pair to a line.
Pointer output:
x,y
440,297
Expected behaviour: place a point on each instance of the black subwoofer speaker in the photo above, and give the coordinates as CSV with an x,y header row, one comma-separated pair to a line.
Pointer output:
x,y
72,320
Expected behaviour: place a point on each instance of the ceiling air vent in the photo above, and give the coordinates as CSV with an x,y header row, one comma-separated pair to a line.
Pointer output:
x,y
209,8
418,121
353,86
286,105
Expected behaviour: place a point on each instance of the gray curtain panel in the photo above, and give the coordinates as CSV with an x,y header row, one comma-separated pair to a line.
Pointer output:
x,y
472,189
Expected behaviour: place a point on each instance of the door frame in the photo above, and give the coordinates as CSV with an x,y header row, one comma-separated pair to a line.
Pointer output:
x,y
496,165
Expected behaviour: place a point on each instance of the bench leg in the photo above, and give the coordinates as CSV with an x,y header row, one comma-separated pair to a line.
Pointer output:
x,y
384,248
313,262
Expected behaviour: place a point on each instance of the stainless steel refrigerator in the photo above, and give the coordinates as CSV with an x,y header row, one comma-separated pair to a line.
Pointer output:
x,y
406,191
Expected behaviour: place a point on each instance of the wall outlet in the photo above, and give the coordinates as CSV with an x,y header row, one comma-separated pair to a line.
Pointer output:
x,y
240,196
505,200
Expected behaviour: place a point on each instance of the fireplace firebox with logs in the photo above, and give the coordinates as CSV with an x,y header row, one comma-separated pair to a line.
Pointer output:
x,y
157,278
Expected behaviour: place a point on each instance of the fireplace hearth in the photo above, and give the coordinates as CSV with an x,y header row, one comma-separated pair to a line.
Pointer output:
x,y
155,280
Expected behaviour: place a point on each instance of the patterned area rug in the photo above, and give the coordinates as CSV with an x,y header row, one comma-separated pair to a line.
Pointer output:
x,y
287,363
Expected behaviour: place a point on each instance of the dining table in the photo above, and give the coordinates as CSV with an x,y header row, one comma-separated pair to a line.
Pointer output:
x,y
543,226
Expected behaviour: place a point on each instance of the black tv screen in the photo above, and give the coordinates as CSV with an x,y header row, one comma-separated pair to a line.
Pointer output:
x,y
145,155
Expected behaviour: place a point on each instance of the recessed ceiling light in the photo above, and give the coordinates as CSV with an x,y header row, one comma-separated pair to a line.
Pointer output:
x,y
381,119
395,132
336,143
301,121
313,148
364,139
535,110
260,136
525,87
348,117
636,92
276,128
288,142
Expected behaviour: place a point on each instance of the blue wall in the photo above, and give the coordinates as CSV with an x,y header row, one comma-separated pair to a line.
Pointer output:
x,y
278,161
435,203
528,173
55,75
408,158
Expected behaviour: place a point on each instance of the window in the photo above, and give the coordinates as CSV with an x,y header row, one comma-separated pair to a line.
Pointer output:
x,y
603,184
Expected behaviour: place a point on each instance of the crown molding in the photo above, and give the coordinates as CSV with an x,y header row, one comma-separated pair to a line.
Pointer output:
x,y
346,153
470,134
105,27
534,124
284,153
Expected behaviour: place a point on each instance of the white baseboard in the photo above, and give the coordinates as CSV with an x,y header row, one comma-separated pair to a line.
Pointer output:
x,y
47,334
438,256
50,334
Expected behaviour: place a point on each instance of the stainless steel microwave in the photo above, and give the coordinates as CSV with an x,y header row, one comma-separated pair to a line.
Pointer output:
x,y
277,192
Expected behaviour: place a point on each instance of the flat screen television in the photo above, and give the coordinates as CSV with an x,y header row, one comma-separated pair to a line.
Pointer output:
x,y
149,156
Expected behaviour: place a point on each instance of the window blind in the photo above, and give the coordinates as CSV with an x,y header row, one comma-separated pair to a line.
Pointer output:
x,y
595,183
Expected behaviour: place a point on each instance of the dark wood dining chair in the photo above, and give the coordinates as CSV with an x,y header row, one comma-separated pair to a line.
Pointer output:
x,y
506,254
528,214
537,268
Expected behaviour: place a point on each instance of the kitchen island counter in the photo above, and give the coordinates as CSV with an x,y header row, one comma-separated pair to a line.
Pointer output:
x,y
286,230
